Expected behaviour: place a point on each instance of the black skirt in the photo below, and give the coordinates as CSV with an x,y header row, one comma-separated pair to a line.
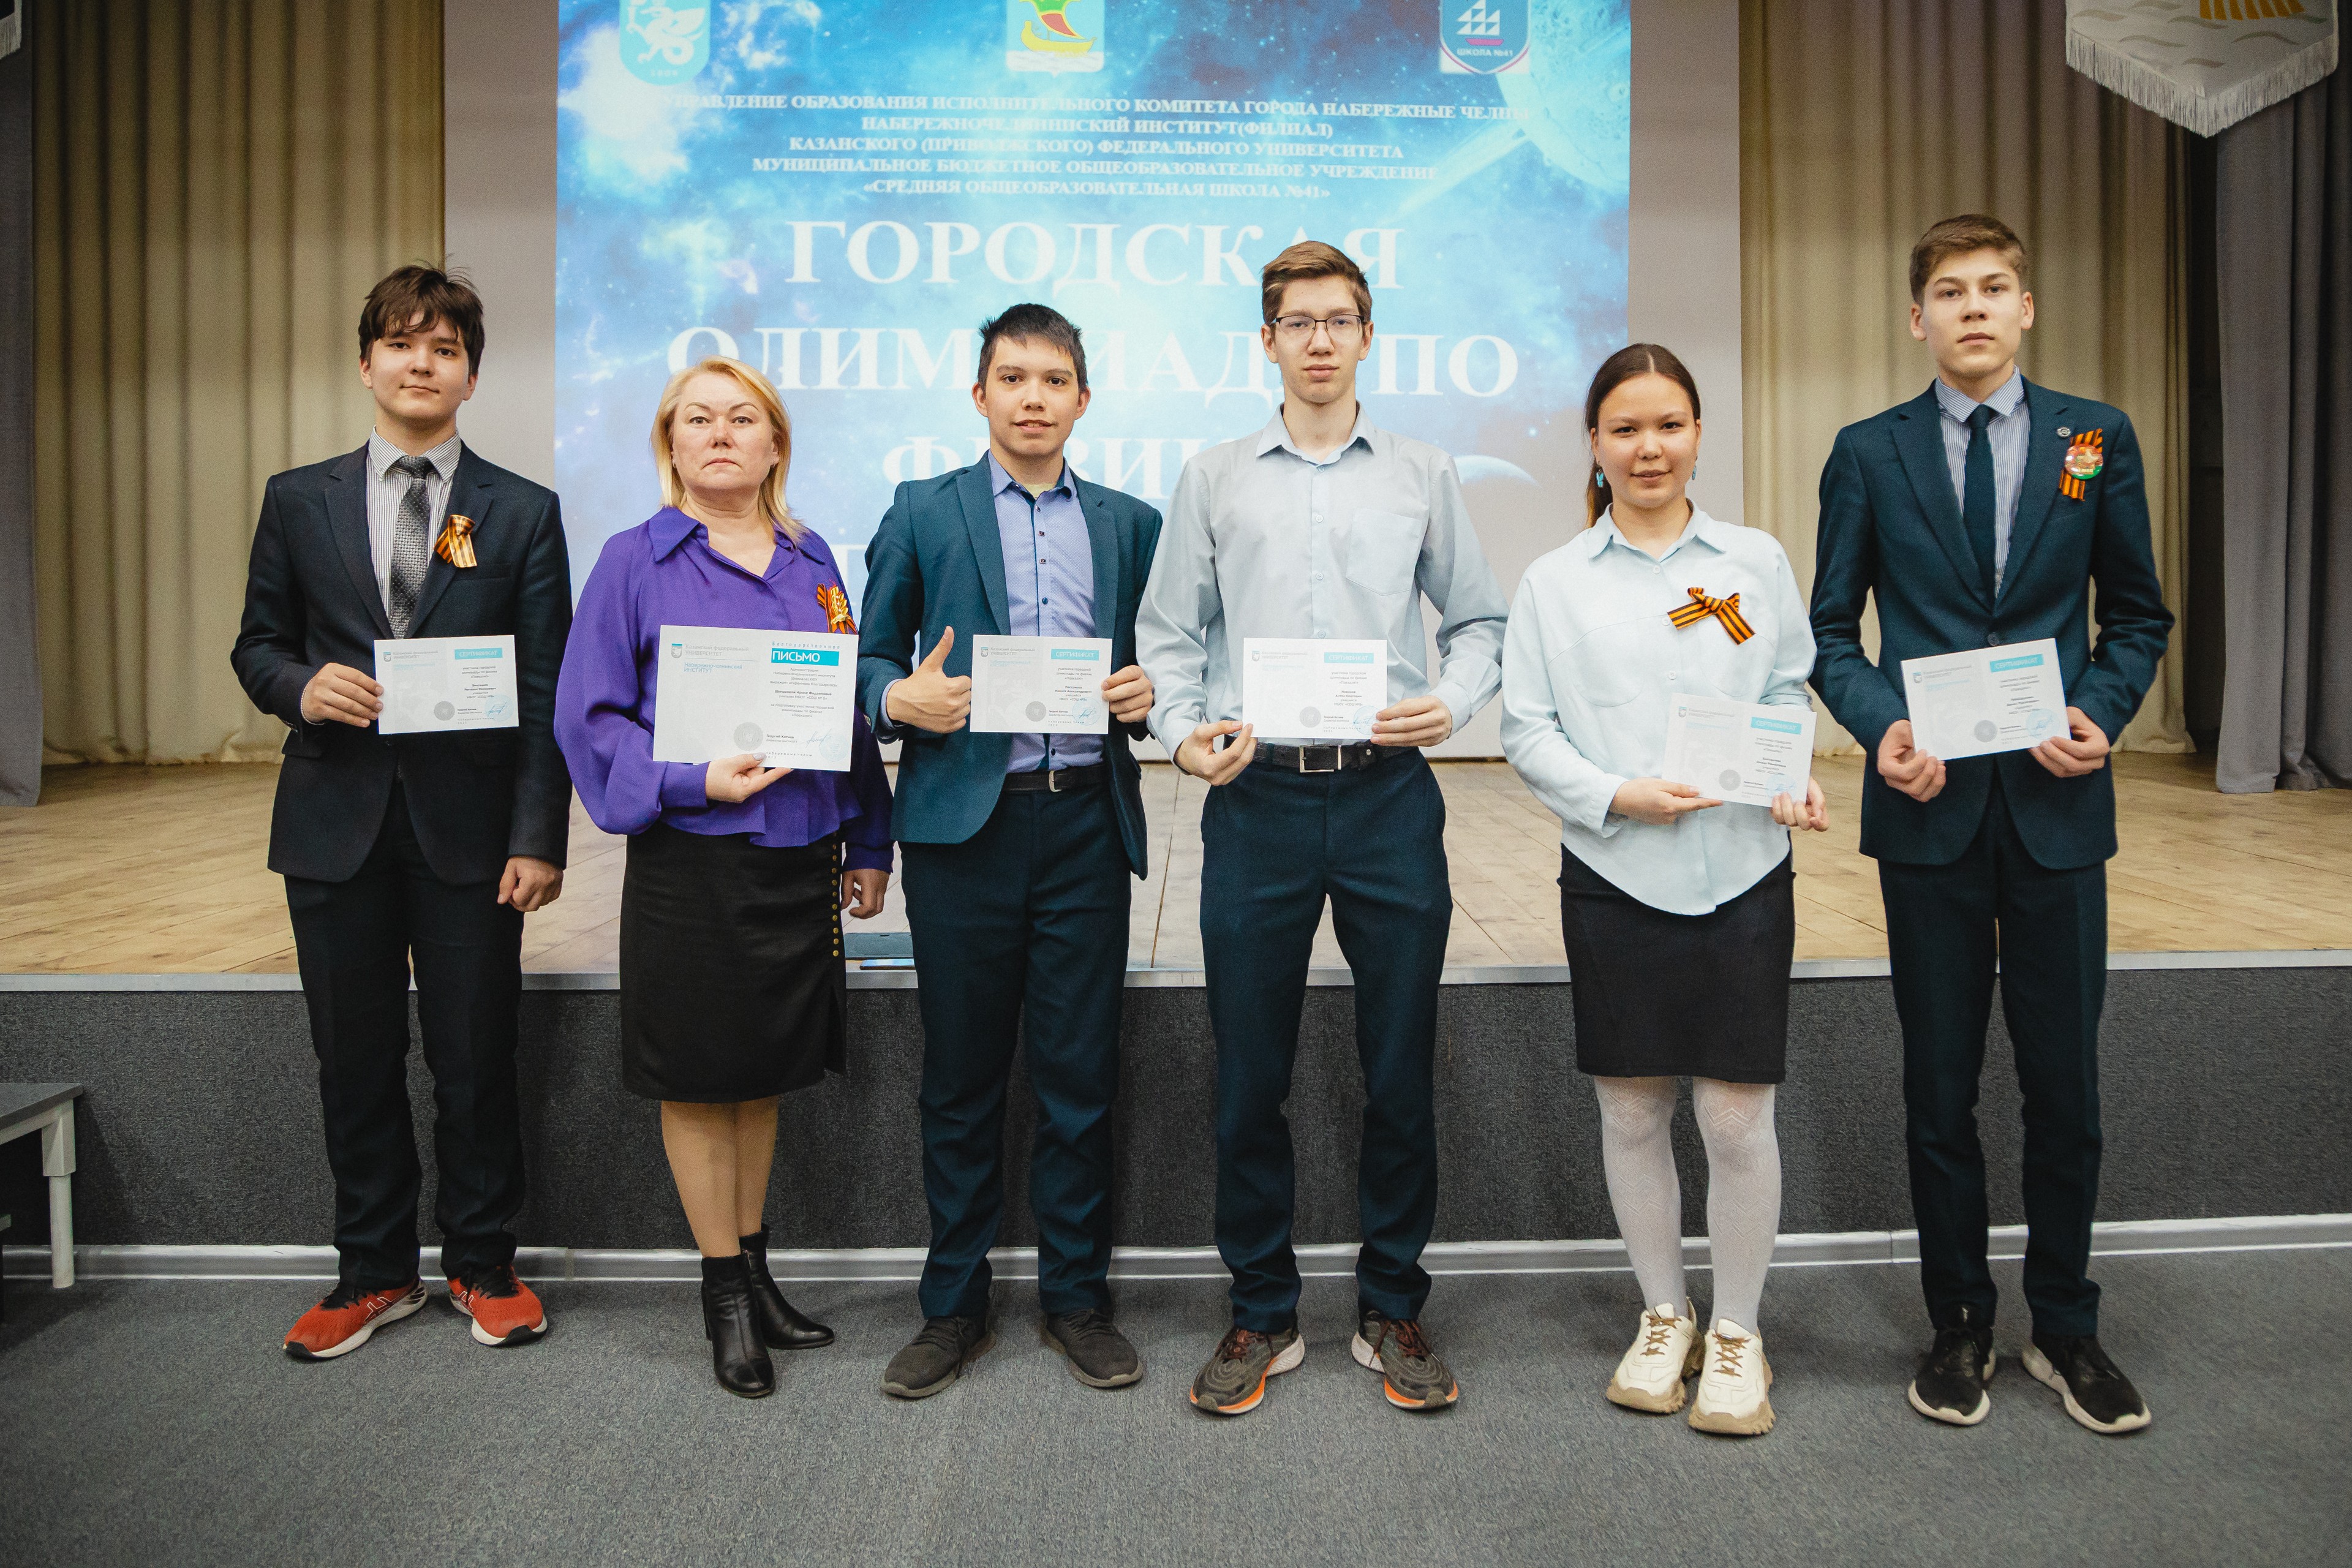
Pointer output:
x,y
1666,996
731,980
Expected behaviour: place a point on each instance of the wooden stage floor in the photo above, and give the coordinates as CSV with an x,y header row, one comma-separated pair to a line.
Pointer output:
x,y
153,870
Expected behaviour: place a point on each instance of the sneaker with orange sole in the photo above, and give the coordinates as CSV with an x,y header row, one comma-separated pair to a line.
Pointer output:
x,y
504,1309
348,1318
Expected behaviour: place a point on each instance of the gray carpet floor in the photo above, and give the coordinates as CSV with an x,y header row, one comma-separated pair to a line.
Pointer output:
x,y
156,1423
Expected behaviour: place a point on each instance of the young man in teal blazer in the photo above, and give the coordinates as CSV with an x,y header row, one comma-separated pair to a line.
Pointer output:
x,y
1979,513
1017,846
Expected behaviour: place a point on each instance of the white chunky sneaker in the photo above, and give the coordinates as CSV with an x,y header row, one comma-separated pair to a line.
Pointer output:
x,y
1665,1351
1732,1377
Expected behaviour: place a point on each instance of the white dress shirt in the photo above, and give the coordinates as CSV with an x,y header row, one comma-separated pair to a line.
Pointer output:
x,y
1263,540
1589,665
385,491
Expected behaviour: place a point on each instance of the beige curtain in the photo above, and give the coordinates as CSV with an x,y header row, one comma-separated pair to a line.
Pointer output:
x,y
217,184
1866,122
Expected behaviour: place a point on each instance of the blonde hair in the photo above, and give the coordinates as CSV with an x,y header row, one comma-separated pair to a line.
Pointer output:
x,y
756,387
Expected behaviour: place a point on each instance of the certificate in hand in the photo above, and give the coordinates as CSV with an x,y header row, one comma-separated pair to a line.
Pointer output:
x,y
787,697
1739,752
1050,686
445,683
1321,688
1987,699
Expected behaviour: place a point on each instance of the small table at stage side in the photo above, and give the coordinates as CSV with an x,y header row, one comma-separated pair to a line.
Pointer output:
x,y
48,1109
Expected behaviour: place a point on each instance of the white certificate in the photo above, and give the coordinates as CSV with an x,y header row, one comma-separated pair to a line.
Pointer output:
x,y
1050,686
1987,699
1321,689
1739,752
787,697
445,683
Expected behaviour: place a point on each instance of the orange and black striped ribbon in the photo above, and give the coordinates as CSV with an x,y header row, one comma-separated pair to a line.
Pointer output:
x,y
1725,610
2095,443
455,544
835,604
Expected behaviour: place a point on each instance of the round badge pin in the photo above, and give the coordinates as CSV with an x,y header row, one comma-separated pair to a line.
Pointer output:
x,y
2083,462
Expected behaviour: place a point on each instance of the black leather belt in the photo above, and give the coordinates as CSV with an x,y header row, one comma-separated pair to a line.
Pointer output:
x,y
1321,759
1058,781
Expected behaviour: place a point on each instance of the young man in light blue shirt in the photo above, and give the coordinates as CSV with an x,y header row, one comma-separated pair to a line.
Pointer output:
x,y
1320,526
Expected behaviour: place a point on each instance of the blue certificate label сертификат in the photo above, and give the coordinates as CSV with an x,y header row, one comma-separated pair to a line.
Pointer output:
x,y
445,683
1739,752
1985,699
788,697
1049,686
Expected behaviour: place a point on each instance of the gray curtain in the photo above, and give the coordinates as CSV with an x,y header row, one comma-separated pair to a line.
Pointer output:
x,y
20,666
2283,271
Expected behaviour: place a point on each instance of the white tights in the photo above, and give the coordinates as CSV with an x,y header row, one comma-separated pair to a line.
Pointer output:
x,y
1743,1185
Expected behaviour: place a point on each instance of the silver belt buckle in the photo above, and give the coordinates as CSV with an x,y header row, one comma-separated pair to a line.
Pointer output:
x,y
1053,781
1336,760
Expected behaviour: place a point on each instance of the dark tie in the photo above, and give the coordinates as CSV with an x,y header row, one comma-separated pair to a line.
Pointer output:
x,y
411,544
1976,493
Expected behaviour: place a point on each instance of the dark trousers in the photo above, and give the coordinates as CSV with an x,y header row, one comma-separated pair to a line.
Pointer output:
x,y
1025,921
1274,847
1946,925
353,941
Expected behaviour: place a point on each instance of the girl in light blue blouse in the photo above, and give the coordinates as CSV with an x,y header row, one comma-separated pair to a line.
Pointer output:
x,y
1677,911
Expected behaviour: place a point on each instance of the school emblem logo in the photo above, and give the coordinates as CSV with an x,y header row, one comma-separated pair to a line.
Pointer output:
x,y
665,44
1482,37
1053,34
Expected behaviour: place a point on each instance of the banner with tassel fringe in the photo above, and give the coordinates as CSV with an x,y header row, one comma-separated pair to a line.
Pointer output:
x,y
2202,64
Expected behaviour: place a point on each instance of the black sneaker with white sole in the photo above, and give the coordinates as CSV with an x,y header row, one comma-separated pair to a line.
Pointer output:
x,y
1098,1354
2095,1392
937,1356
1950,1385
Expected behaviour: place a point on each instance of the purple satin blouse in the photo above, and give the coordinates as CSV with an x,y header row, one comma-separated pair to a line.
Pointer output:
x,y
664,572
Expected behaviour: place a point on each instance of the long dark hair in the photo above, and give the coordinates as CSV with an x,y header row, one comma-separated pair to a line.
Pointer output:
x,y
1632,360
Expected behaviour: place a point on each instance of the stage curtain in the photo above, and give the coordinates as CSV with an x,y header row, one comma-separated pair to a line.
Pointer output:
x,y
2284,274
1864,122
217,184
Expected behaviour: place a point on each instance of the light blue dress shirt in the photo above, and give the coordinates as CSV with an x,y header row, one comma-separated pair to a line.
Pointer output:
x,y
1590,664
1263,540
2009,434
1049,592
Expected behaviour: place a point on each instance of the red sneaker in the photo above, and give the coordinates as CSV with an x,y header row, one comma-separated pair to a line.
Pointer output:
x,y
504,1311
344,1321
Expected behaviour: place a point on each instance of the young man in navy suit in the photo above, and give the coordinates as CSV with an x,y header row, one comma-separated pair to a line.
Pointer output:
x,y
430,845
1982,513
1017,846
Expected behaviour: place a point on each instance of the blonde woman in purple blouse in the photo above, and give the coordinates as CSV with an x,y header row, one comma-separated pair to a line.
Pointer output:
x,y
732,992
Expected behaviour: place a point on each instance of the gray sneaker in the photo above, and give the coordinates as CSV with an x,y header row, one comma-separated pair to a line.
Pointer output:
x,y
938,1355
1235,1380
1411,1373
1098,1354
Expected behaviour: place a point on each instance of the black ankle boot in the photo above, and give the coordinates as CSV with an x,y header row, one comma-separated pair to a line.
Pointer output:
x,y
782,1326
737,1356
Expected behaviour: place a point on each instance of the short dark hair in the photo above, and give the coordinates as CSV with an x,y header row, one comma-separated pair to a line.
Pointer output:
x,y
1032,323
412,299
1957,236
1310,258
1632,360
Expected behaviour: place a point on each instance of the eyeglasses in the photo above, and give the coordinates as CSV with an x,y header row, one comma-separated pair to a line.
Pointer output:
x,y
1343,329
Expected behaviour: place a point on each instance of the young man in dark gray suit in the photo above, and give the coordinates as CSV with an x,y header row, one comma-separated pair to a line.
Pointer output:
x,y
1017,846
431,846
1981,513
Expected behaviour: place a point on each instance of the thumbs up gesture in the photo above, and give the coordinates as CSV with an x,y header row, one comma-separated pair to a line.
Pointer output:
x,y
930,699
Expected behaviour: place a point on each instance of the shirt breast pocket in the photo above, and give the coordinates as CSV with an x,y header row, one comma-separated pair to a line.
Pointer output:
x,y
1610,666
1379,550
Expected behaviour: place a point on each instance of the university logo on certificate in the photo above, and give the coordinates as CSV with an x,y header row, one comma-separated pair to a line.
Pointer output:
x,y
1053,34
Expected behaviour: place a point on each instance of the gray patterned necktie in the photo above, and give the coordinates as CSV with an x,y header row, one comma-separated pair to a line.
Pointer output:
x,y
411,544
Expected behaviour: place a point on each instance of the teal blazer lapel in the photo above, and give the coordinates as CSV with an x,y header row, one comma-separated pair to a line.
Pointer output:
x,y
2045,454
987,543
1920,441
347,520
1110,579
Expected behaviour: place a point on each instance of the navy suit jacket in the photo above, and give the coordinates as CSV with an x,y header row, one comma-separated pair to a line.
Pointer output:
x,y
1890,527
938,560
475,797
